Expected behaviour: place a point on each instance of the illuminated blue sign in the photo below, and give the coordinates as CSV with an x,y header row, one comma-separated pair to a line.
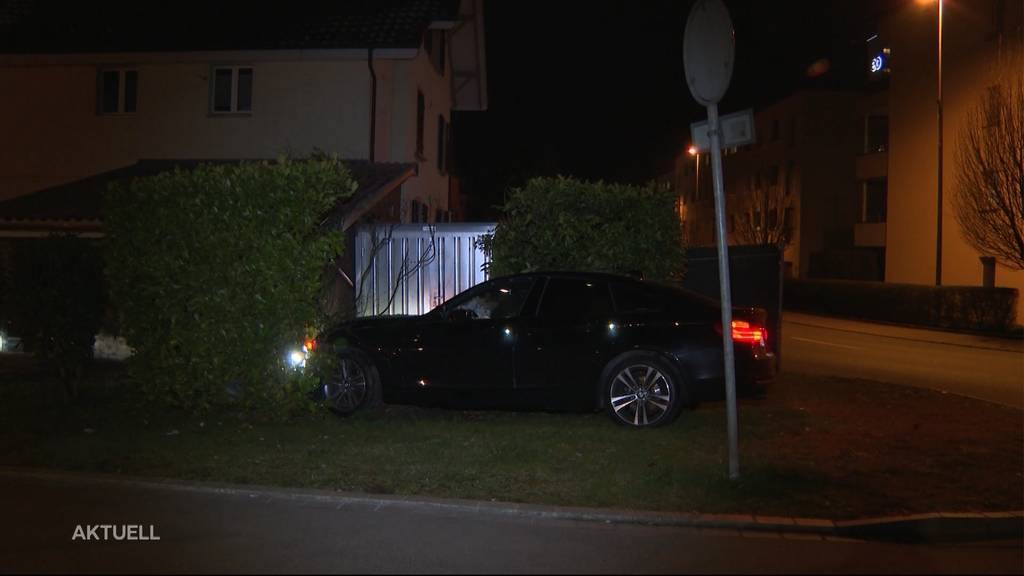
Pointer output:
x,y
878,63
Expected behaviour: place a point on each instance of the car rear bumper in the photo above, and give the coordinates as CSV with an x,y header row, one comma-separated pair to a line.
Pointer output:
x,y
754,375
757,375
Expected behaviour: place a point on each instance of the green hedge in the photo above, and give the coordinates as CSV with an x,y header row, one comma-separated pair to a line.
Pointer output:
x,y
217,272
956,307
567,224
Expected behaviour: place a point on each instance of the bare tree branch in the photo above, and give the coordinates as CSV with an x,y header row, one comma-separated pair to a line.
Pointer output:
x,y
760,217
989,195
381,238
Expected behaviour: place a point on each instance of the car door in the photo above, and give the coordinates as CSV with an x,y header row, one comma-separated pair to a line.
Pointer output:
x,y
477,334
563,349
419,352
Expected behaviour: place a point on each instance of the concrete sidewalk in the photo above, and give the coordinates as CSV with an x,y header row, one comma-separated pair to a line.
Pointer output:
x,y
933,527
216,528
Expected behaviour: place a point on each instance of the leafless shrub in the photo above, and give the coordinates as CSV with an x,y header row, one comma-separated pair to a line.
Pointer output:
x,y
989,195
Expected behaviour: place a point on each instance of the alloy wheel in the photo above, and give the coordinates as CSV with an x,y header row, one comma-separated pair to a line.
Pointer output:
x,y
640,395
346,388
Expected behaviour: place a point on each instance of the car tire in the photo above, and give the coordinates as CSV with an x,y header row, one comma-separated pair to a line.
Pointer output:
x,y
352,385
642,390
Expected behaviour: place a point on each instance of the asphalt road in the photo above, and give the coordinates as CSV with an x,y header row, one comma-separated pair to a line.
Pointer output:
x,y
224,530
991,369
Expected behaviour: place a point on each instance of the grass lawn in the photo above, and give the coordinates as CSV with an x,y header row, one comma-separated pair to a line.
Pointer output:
x,y
825,447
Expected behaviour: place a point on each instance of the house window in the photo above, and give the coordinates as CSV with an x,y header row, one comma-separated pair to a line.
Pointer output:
x,y
773,176
790,177
442,135
231,90
442,52
421,109
874,197
876,134
418,211
435,44
118,91
787,220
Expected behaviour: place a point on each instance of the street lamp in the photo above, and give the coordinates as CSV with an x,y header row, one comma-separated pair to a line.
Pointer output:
x,y
938,218
692,151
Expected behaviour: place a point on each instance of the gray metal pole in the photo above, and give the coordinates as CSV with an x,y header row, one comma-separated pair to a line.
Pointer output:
x,y
726,293
938,214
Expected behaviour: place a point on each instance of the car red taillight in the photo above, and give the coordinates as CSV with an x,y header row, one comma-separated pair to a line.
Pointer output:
x,y
745,332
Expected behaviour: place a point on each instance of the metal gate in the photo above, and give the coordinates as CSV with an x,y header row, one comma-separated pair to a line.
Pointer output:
x,y
411,268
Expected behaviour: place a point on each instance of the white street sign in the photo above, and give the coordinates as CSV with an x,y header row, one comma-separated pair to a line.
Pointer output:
x,y
737,130
708,47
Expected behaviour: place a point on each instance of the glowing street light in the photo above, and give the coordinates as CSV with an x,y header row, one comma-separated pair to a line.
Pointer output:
x,y
693,151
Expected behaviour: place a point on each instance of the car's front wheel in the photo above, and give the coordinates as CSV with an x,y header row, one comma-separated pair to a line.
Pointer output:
x,y
642,390
352,384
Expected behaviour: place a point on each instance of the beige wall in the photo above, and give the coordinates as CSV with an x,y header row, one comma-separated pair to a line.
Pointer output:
x,y
431,185
970,64
51,132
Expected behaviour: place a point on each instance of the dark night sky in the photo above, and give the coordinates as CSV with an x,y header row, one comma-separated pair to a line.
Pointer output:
x,y
596,89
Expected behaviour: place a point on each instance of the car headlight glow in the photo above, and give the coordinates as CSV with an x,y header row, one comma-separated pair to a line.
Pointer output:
x,y
297,359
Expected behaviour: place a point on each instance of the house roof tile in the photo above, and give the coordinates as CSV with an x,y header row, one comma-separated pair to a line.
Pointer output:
x,y
82,200
55,26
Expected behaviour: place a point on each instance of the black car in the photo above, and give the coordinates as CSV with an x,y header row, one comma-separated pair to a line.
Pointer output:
x,y
560,341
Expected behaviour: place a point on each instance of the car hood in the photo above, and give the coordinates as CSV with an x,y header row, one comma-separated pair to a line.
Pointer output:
x,y
374,324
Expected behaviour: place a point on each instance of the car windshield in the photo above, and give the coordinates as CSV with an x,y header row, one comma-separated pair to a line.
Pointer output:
x,y
497,299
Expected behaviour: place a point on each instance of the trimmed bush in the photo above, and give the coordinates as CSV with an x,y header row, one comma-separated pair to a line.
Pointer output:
x,y
955,307
56,302
567,224
216,274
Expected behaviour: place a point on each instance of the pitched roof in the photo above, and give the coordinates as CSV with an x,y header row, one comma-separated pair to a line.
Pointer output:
x,y
81,201
56,26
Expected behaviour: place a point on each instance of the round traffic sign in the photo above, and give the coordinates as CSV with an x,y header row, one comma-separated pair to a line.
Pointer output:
x,y
708,51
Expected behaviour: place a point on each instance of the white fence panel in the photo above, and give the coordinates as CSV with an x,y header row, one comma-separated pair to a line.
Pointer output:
x,y
411,268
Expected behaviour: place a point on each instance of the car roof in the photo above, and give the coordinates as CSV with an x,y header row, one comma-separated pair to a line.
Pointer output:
x,y
609,276
572,274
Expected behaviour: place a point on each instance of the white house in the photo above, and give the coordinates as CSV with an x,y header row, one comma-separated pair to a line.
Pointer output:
x,y
95,88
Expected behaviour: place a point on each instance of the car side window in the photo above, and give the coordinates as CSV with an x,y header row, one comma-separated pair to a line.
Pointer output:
x,y
574,300
499,299
630,297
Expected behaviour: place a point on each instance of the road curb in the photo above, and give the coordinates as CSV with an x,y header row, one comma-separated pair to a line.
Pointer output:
x,y
934,527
